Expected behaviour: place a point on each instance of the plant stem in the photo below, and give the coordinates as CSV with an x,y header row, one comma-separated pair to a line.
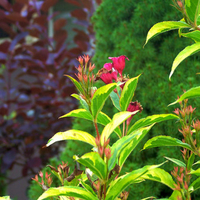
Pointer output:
x,y
104,191
96,128
123,129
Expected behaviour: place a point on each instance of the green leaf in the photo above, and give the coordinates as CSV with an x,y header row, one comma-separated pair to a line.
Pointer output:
x,y
192,9
194,35
84,114
87,187
115,100
5,198
160,176
100,97
151,120
176,161
72,135
148,198
196,163
196,172
128,92
124,146
104,120
162,27
117,148
115,122
126,151
77,84
161,141
190,161
163,199
175,195
191,93
71,191
195,185
121,183
81,113
82,101
198,20
95,163
188,51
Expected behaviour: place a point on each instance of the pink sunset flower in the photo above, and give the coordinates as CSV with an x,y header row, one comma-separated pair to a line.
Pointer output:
x,y
119,63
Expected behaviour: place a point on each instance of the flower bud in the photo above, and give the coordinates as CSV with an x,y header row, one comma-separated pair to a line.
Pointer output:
x,y
176,111
80,60
180,4
108,153
91,68
41,174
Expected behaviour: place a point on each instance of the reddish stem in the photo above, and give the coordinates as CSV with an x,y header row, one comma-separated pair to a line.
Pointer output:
x,y
97,130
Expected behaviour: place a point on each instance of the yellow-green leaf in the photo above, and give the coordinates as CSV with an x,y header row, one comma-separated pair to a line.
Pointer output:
x,y
71,191
151,120
95,163
191,93
161,141
165,26
128,92
115,122
99,98
188,51
72,135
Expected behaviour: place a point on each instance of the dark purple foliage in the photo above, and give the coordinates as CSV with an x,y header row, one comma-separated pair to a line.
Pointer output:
x,y
33,89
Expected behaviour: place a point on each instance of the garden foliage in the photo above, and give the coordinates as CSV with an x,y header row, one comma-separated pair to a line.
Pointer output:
x,y
111,157
101,176
121,28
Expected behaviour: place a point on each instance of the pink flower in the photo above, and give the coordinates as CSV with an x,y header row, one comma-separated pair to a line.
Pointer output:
x,y
133,106
119,63
108,77
108,66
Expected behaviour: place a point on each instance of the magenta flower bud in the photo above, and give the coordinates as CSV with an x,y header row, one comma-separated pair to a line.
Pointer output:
x,y
133,106
119,63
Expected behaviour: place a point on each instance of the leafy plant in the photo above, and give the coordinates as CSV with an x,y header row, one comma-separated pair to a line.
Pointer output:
x,y
188,27
101,178
185,185
121,28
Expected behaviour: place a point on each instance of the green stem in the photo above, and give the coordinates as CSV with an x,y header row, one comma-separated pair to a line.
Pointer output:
x,y
126,129
123,129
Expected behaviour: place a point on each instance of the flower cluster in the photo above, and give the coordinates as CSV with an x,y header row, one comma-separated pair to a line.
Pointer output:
x,y
46,180
182,178
113,72
187,122
110,71
86,78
